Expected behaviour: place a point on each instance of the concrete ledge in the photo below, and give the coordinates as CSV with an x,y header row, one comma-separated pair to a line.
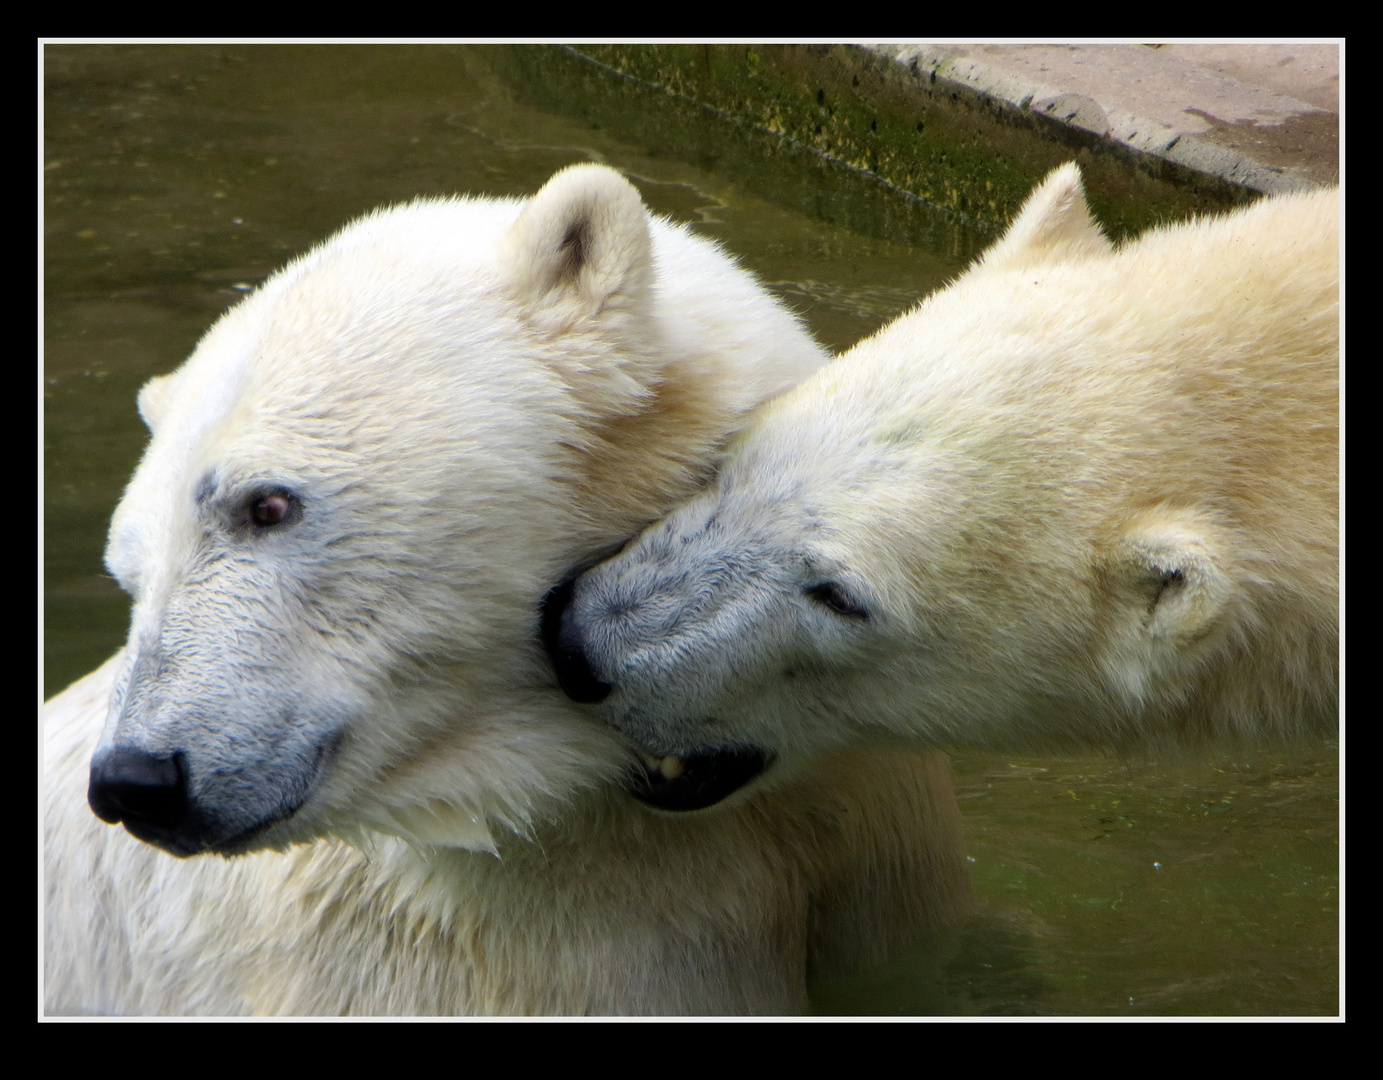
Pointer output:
x,y
1262,116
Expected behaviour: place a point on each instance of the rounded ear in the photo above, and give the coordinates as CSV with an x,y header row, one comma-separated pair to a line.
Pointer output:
x,y
580,250
1054,226
153,399
1175,567
1169,581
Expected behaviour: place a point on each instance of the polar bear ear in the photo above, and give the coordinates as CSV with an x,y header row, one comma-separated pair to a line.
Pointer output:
x,y
152,400
581,251
1173,565
1054,226
1171,588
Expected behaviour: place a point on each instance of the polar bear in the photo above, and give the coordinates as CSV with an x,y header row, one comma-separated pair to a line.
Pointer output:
x,y
1083,495
358,490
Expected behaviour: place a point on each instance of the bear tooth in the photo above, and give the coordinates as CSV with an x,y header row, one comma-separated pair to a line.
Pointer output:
x,y
672,767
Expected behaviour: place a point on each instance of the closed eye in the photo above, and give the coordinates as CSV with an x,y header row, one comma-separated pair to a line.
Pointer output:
x,y
832,595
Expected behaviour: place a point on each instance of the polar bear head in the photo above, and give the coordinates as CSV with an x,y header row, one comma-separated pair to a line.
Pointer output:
x,y
361,485
1006,519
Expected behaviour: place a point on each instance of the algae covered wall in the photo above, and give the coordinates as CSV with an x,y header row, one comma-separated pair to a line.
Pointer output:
x,y
853,136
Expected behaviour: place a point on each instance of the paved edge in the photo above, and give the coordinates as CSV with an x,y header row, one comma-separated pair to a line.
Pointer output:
x,y
992,77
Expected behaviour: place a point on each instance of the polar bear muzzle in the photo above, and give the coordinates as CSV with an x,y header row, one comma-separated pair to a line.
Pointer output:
x,y
146,791
149,793
564,647
666,782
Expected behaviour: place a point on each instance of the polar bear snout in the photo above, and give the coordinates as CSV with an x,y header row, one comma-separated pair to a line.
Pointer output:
x,y
148,792
565,647
590,624
640,636
158,796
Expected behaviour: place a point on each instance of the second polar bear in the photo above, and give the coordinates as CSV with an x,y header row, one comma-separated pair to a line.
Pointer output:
x,y
358,490
1081,496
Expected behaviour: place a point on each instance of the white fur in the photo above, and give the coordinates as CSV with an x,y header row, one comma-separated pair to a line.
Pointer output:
x,y
466,398
1083,495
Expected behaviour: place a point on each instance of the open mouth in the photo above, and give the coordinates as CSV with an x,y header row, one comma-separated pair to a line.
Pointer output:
x,y
697,781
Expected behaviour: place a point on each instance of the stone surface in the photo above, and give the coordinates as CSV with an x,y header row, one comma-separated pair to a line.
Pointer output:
x,y
1264,116
1309,73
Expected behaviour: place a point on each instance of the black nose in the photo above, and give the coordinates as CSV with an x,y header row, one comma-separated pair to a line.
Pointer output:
x,y
563,644
145,791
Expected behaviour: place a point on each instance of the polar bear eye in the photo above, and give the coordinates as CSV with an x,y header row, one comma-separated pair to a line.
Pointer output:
x,y
272,508
833,596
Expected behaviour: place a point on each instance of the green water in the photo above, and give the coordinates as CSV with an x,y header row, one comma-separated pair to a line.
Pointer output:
x,y
176,177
